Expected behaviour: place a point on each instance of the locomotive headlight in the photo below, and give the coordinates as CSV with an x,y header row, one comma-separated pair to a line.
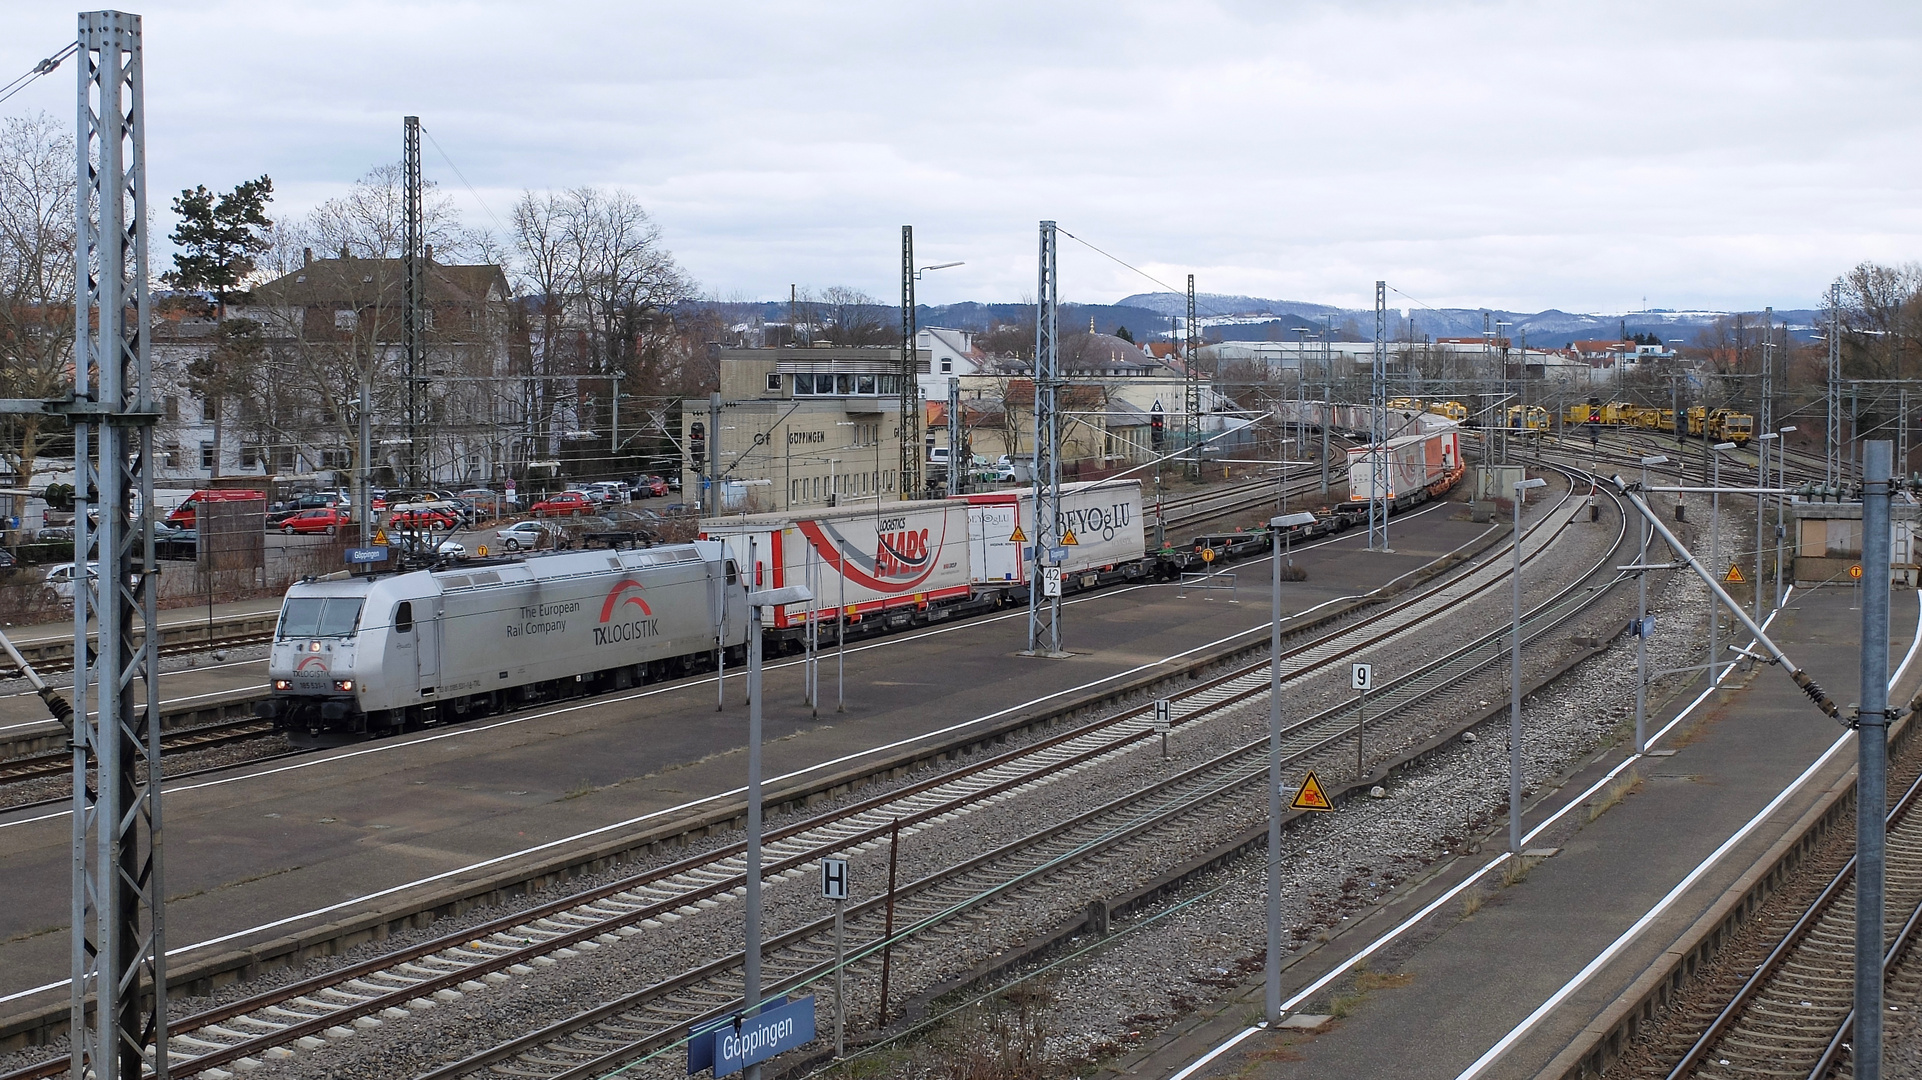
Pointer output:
x,y
343,685
313,646
283,684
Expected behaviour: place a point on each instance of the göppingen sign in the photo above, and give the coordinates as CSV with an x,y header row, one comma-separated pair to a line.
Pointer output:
x,y
735,1043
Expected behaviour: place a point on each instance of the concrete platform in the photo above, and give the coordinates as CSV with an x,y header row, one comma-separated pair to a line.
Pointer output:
x,y
1464,984
291,844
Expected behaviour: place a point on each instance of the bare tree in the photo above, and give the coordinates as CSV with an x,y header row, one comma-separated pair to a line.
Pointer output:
x,y
369,222
36,276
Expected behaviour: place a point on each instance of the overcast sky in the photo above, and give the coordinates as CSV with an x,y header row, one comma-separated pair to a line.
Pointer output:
x,y
1580,155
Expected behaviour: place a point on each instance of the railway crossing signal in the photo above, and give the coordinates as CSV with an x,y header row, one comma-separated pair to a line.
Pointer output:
x,y
1311,796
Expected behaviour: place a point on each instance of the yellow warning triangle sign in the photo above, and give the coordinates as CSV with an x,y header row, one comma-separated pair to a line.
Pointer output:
x,y
1311,797
380,537
1734,575
1019,537
1067,539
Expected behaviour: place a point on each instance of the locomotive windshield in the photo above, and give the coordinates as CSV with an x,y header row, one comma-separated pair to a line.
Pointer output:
x,y
314,616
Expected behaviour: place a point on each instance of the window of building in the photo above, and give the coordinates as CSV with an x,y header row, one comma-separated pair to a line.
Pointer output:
x,y
285,460
774,381
248,456
171,408
864,384
210,409
843,384
172,455
334,459
346,319
947,366
206,455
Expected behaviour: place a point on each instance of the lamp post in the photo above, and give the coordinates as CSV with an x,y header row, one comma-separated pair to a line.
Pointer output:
x,y
1761,481
1781,481
1641,619
1279,524
758,601
1515,682
1715,553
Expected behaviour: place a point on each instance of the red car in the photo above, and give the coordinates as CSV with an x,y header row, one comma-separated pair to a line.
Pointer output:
x,y
420,519
566,503
328,520
656,487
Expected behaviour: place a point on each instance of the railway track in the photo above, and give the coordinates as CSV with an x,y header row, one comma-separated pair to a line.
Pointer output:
x,y
1794,1015
389,987
206,737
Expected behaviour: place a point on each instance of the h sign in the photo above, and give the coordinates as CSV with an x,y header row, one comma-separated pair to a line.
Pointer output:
x,y
1163,715
834,879
1362,677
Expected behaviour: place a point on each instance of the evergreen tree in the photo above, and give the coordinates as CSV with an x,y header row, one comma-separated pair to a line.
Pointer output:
x,y
218,238
1123,334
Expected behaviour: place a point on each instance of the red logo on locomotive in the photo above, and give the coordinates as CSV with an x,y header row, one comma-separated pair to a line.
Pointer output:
x,y
626,591
901,554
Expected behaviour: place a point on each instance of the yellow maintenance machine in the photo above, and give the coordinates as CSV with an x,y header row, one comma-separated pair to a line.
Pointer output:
x,y
1528,417
1697,421
1728,425
1452,410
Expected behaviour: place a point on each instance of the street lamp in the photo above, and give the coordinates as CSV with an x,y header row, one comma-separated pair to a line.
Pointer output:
x,y
757,602
1641,617
1281,523
1515,683
1715,554
1761,481
1781,481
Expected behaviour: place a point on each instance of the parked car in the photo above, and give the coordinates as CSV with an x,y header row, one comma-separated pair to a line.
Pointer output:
x,y
184,515
564,504
656,487
616,491
329,521
432,520
524,535
59,579
7,562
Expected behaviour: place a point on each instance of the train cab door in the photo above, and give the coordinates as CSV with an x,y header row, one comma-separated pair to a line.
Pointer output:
x,y
427,649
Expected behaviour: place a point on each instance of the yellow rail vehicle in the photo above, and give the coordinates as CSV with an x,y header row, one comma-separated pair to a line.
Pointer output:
x,y
1730,426
1698,421
1528,417
1451,410
1410,403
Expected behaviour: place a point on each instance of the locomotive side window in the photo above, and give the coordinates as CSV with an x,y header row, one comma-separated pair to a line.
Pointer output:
x,y
314,616
404,617
733,573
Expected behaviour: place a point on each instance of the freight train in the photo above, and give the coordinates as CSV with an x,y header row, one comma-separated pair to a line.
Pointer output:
x,y
362,656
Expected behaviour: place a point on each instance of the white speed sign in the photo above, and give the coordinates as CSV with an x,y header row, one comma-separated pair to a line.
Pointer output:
x,y
1362,677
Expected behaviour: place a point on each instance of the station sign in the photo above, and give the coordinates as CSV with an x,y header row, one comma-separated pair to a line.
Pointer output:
x,y
1056,554
359,556
735,1043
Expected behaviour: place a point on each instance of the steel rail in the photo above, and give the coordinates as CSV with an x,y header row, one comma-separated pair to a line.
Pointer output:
x,y
551,942
1224,775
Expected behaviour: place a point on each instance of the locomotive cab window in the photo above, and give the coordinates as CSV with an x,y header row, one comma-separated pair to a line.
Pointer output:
x,y
404,617
733,573
314,616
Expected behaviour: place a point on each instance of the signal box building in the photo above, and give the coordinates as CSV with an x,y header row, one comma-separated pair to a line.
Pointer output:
x,y
798,427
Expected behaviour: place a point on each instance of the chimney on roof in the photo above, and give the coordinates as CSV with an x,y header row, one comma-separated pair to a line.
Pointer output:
x,y
427,251
343,252
306,256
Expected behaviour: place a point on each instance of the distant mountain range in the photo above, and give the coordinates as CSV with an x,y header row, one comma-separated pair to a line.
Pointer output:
x,y
1229,318
1147,316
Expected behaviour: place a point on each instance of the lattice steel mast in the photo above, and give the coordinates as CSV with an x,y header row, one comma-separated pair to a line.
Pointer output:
x,y
911,452
1044,613
411,293
1833,438
1193,367
1378,408
118,957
